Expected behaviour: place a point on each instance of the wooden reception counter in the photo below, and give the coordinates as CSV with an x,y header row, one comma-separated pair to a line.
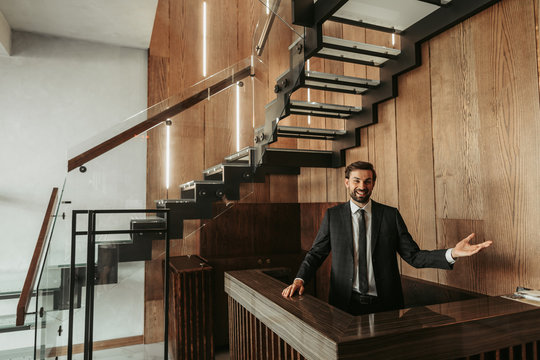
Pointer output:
x,y
263,325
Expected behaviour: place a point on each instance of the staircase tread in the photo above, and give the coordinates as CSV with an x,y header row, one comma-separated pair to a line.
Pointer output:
x,y
299,150
176,201
356,52
356,45
203,182
115,242
312,130
405,12
223,165
341,78
324,106
242,153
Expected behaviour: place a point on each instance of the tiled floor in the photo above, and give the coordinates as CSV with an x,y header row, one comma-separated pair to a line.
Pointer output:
x,y
139,352
135,352
17,354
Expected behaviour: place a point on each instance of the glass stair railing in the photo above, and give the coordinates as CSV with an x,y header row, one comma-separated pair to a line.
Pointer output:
x,y
111,286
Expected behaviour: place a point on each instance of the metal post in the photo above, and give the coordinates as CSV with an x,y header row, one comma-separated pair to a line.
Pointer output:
x,y
90,275
72,282
166,285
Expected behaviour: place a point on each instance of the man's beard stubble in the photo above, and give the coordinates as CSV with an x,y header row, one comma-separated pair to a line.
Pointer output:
x,y
360,199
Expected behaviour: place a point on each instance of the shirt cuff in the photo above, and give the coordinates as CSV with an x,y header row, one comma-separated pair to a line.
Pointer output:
x,y
449,257
299,279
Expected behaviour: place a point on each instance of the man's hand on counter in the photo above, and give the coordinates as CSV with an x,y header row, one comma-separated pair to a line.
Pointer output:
x,y
297,285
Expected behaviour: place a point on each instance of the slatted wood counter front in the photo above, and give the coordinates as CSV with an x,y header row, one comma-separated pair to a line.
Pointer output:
x,y
263,325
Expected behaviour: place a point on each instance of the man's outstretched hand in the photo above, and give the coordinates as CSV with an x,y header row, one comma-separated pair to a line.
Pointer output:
x,y
297,285
464,248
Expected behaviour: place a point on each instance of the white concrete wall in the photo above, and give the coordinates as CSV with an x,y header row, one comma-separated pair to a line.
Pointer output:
x,y
54,94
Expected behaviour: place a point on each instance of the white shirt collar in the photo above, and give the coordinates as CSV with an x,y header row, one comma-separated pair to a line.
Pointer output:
x,y
355,208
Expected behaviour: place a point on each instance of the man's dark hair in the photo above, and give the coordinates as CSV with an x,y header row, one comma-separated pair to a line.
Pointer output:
x,y
360,165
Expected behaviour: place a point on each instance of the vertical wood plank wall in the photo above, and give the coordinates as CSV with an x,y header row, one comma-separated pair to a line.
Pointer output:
x,y
457,151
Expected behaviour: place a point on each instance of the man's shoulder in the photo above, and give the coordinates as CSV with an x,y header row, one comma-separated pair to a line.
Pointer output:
x,y
339,207
382,208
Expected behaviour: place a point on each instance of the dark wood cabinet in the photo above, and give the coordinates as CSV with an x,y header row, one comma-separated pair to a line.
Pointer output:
x,y
190,309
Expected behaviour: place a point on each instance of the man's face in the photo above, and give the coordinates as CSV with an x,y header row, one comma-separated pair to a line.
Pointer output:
x,y
360,185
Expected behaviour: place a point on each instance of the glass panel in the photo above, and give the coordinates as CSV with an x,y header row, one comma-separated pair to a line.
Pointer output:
x,y
229,118
270,11
274,42
159,112
51,319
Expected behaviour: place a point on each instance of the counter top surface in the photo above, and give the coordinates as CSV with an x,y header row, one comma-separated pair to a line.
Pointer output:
x,y
340,326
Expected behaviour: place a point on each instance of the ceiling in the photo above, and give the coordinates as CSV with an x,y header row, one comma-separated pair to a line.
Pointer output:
x,y
117,22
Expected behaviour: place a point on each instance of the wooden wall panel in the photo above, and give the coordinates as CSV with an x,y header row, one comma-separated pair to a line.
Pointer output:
x,y
456,125
361,152
456,141
492,160
334,177
510,134
158,90
159,42
415,160
537,20
155,155
222,36
248,15
185,46
317,176
283,188
219,127
383,154
465,274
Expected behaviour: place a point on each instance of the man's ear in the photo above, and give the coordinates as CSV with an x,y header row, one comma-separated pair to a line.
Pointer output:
x,y
346,182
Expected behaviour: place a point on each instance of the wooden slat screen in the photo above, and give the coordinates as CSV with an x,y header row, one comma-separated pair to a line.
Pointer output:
x,y
190,314
250,339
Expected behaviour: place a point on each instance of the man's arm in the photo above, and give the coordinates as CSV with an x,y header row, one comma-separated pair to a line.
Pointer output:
x,y
314,258
423,258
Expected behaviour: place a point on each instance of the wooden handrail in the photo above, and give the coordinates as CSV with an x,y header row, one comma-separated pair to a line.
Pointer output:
x,y
26,293
154,120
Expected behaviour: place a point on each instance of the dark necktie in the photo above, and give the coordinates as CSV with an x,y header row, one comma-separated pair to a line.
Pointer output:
x,y
362,254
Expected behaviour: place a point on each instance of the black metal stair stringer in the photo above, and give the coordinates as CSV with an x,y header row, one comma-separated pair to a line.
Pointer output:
x,y
411,39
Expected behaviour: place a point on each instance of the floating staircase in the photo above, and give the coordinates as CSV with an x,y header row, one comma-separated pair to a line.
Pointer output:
x,y
414,21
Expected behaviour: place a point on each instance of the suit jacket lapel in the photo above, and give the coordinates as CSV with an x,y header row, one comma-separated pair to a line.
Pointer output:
x,y
376,213
347,226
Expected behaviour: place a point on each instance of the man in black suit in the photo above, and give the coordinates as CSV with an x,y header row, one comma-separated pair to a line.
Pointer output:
x,y
364,237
